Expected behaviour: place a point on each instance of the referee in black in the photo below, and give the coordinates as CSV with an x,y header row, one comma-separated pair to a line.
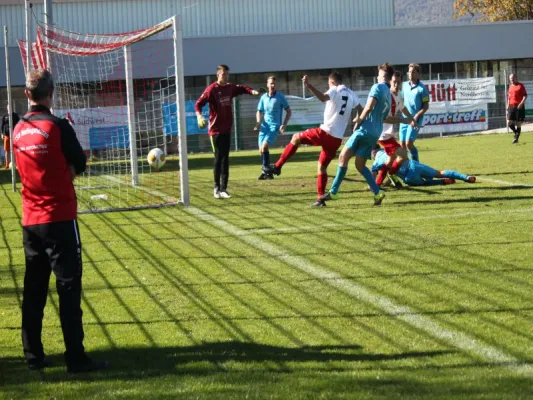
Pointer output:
x,y
48,157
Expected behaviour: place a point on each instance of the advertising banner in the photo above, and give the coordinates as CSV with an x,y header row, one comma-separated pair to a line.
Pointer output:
x,y
306,113
462,91
171,122
455,119
98,128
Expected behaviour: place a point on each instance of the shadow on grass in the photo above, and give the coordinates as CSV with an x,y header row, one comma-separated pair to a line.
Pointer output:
x,y
5,177
507,173
127,363
247,158
463,200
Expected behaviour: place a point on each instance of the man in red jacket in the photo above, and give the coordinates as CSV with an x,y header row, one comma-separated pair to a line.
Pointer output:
x,y
516,111
219,95
48,157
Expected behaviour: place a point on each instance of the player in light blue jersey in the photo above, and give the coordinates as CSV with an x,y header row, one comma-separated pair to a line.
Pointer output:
x,y
268,118
414,173
416,100
367,131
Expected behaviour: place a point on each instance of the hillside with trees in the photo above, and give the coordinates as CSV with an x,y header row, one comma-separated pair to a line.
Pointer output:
x,y
424,12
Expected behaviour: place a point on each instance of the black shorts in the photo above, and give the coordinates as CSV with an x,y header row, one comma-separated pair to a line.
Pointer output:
x,y
516,114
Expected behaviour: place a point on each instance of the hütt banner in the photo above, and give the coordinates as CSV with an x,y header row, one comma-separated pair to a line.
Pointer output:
x,y
462,91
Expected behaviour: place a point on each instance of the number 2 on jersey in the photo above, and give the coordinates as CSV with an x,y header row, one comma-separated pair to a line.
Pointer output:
x,y
343,108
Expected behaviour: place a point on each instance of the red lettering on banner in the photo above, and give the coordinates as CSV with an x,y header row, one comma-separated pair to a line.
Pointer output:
x,y
438,92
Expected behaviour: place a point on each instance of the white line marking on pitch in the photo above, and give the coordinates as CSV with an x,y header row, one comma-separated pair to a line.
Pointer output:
x,y
484,179
404,313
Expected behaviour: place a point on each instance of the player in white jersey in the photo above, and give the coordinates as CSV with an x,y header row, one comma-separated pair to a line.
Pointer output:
x,y
388,139
339,104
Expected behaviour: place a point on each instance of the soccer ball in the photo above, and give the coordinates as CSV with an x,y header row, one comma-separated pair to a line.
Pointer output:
x,y
156,158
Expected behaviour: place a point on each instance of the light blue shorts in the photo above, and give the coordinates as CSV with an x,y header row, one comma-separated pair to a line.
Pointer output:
x,y
269,134
418,173
361,143
407,133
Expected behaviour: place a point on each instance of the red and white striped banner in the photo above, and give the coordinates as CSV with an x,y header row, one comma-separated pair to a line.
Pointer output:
x,y
37,54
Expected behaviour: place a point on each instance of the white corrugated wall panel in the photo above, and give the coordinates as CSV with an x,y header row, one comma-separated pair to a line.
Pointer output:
x,y
209,17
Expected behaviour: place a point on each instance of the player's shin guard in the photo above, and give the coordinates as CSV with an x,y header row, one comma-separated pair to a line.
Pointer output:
x,y
265,158
381,175
339,177
289,151
321,182
370,180
414,154
455,175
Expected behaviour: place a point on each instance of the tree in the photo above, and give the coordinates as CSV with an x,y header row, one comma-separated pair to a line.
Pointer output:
x,y
494,10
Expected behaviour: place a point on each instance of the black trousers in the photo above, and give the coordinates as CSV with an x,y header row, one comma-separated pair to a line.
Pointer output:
x,y
52,247
221,144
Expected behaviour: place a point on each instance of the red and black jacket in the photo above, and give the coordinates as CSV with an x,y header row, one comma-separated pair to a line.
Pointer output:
x,y
44,147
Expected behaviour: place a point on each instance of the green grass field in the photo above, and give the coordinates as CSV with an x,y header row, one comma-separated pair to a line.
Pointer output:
x,y
261,296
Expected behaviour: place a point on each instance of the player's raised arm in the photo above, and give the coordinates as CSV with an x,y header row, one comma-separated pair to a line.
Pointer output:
x,y
242,89
323,97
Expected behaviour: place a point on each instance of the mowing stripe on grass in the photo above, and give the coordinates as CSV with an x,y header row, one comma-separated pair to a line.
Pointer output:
x,y
456,339
388,221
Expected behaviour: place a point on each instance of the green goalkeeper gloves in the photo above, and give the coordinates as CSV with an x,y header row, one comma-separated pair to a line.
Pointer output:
x,y
202,122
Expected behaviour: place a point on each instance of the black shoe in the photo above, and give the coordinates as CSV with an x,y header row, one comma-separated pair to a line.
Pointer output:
x,y
87,365
271,169
319,203
39,365
515,141
265,176
328,196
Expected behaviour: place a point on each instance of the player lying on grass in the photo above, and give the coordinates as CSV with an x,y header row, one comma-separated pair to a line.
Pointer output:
x,y
414,173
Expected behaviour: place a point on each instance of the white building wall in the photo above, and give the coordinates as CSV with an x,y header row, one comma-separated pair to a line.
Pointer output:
x,y
204,18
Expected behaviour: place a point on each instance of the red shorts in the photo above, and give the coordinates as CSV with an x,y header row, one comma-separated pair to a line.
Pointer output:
x,y
318,137
7,143
390,146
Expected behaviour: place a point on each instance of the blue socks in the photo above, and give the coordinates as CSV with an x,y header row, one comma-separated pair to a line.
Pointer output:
x,y
341,173
414,154
370,180
265,158
339,177
455,175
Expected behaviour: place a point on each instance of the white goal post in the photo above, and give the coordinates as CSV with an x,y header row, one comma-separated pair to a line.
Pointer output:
x,y
124,95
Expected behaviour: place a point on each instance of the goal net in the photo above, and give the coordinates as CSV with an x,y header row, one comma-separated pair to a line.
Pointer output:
x,y
123,94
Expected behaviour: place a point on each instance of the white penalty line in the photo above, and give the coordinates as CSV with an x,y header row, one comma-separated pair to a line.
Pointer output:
x,y
485,179
456,339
